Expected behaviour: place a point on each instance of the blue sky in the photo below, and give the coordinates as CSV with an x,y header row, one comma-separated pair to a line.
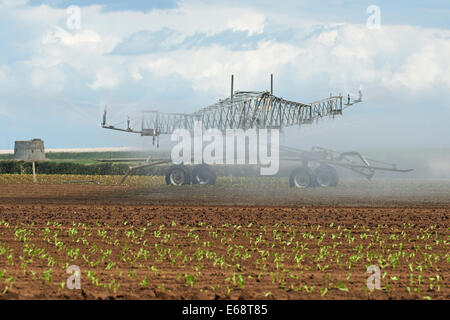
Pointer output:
x,y
177,56
110,5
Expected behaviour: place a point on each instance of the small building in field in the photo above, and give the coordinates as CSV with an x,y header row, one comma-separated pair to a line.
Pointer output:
x,y
31,150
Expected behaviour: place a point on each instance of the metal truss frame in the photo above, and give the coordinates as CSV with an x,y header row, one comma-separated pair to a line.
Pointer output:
x,y
244,110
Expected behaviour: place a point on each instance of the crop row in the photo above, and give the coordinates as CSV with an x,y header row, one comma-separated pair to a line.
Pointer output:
x,y
137,181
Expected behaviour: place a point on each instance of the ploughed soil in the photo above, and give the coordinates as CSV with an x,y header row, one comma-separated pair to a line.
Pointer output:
x,y
224,242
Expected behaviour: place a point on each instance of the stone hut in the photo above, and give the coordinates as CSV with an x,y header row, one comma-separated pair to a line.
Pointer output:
x,y
32,150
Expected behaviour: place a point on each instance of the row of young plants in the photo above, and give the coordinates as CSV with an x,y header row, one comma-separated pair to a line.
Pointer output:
x,y
57,179
272,260
138,180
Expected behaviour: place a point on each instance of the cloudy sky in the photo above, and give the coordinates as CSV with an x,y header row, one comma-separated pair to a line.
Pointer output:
x,y
177,56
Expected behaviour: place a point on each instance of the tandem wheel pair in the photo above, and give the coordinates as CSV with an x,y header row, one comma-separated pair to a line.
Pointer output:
x,y
179,174
322,176
301,177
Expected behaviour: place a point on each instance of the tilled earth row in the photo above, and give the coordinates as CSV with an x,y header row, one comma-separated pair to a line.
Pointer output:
x,y
231,192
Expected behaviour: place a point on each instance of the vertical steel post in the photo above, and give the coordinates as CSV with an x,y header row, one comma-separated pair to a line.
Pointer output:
x,y
232,87
271,84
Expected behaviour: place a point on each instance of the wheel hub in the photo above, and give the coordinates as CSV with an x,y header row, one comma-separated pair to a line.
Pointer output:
x,y
177,177
324,179
301,180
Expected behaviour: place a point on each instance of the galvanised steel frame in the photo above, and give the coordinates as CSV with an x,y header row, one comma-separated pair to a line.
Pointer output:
x,y
244,110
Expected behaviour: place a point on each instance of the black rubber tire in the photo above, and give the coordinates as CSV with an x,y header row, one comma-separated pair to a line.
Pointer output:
x,y
203,174
305,175
178,175
326,176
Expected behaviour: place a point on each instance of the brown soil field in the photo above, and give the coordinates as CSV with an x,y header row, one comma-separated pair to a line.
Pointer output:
x,y
236,240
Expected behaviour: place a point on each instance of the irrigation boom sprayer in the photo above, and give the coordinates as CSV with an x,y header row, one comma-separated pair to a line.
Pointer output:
x,y
259,110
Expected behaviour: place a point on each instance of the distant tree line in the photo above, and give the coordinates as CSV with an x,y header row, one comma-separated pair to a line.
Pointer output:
x,y
49,167
107,168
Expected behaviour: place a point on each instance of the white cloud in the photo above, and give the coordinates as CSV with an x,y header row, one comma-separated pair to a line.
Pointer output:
x,y
392,57
206,67
106,78
48,80
328,38
13,2
335,56
59,35
427,67
250,22
187,19
77,68
87,49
